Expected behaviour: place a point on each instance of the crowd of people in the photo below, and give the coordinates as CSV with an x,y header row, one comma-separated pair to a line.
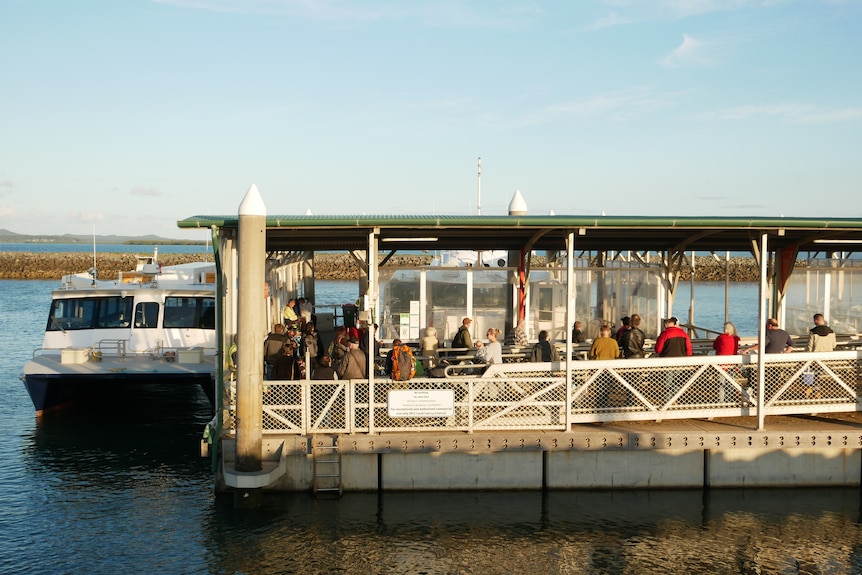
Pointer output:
x,y
346,356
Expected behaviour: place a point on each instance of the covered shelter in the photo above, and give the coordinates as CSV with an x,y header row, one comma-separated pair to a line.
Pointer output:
x,y
373,239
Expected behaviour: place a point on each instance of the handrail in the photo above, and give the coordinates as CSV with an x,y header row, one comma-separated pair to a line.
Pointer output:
x,y
529,395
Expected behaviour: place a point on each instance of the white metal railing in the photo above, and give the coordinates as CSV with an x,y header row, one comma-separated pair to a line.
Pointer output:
x,y
533,395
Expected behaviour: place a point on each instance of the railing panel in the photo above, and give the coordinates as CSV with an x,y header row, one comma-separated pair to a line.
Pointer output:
x,y
533,395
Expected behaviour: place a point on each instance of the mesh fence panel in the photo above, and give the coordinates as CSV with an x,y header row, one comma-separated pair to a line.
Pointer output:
x,y
533,396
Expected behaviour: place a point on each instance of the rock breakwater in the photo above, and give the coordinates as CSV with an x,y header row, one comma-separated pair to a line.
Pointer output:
x,y
45,266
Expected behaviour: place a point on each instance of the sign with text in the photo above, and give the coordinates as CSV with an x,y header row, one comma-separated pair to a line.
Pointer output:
x,y
421,403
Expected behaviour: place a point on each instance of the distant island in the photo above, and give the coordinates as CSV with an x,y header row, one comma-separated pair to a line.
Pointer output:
x,y
7,236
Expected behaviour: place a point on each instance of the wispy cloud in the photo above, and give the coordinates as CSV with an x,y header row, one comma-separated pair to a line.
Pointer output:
x,y
612,19
89,217
618,104
689,53
141,191
792,113
7,212
6,187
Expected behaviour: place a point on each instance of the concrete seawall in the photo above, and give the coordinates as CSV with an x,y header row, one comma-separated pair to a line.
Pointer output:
x,y
31,265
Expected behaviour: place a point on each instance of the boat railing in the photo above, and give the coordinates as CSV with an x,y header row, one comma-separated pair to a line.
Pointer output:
x,y
112,346
535,396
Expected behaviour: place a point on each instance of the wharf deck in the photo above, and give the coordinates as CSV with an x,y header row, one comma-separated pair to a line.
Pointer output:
x,y
835,430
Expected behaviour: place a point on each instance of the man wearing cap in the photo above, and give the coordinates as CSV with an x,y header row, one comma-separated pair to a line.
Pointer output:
x,y
354,364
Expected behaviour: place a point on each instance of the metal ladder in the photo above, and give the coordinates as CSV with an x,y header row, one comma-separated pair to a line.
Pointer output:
x,y
326,461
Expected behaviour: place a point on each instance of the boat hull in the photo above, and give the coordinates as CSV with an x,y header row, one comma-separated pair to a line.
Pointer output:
x,y
53,385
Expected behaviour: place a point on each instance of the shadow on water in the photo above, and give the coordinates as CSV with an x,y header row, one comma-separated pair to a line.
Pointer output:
x,y
138,427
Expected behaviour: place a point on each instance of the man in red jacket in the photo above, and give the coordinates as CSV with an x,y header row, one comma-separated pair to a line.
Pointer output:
x,y
673,341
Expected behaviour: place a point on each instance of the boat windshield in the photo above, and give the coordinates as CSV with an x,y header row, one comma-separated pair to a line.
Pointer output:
x,y
90,313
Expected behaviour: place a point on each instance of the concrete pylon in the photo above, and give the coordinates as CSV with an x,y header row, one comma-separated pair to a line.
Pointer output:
x,y
250,334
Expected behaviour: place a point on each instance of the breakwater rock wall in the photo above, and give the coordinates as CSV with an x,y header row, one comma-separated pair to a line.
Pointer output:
x,y
30,265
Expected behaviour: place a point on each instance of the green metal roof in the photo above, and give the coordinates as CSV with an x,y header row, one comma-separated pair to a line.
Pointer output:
x,y
430,232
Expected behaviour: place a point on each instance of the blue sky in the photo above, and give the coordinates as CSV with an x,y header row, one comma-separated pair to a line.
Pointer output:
x,y
130,115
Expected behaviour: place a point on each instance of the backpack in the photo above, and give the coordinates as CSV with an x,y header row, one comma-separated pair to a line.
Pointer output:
x,y
403,363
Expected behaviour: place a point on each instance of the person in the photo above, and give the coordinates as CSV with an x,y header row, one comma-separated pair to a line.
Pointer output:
x,y
673,341
363,339
492,352
632,340
604,346
354,364
231,356
273,348
821,337
544,350
626,324
777,340
289,314
287,366
727,343
387,364
517,336
428,347
323,370
305,310
578,336
462,339
312,344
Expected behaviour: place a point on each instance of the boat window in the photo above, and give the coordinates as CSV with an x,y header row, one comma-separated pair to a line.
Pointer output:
x,y
90,313
114,312
147,314
190,312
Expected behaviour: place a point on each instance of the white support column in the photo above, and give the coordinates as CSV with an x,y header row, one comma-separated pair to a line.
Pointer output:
x,y
761,335
570,322
470,296
372,295
423,302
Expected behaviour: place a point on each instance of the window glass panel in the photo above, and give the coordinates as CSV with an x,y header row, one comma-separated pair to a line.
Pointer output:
x,y
114,312
72,314
192,312
147,315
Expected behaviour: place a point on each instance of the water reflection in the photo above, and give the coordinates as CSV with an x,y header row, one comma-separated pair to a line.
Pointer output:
x,y
728,531
119,488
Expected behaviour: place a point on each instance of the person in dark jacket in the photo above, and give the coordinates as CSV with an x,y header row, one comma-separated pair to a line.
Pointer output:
x,y
578,336
273,348
544,350
462,339
287,366
632,339
323,370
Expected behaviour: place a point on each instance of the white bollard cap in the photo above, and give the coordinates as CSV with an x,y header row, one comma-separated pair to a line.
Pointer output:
x,y
252,204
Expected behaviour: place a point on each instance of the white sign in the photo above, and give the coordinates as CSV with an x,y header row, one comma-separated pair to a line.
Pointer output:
x,y
421,403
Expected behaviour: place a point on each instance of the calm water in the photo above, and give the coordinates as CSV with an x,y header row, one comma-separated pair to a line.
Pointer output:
x,y
120,489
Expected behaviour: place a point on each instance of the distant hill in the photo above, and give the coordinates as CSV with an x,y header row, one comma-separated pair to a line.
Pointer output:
x,y
16,238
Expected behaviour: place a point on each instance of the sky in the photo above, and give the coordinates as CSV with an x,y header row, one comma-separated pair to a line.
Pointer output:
x,y
126,116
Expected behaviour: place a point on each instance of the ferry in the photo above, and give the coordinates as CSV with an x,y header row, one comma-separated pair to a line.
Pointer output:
x,y
152,325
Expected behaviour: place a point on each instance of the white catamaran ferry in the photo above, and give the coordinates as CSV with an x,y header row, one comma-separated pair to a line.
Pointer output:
x,y
153,324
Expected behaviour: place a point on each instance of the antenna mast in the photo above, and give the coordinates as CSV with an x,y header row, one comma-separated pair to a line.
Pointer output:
x,y
479,189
